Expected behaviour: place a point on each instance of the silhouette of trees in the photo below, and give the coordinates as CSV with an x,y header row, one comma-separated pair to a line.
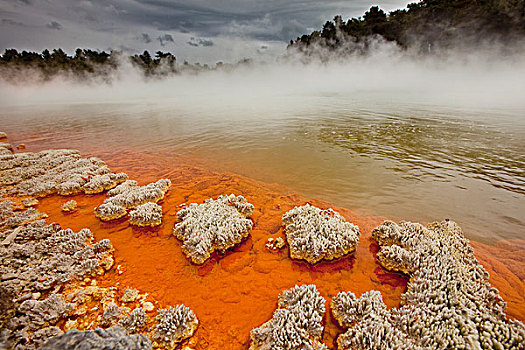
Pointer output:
x,y
426,23
49,64
164,62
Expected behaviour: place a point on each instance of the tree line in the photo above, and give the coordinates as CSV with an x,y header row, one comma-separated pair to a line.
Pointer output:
x,y
425,25
86,63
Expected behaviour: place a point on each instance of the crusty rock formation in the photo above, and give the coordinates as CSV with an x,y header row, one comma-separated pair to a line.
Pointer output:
x,y
69,206
275,243
129,195
135,321
114,338
449,303
147,214
314,234
110,211
12,219
112,315
296,324
5,147
217,224
36,259
173,326
46,272
100,183
55,171
130,294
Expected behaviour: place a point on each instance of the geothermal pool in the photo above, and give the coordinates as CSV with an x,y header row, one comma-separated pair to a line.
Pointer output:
x,y
397,141
414,161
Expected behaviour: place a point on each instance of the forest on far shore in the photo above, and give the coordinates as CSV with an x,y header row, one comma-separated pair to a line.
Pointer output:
x,y
423,27
86,63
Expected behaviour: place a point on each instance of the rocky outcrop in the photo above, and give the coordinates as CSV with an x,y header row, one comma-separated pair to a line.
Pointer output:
x,y
296,324
217,224
314,234
449,303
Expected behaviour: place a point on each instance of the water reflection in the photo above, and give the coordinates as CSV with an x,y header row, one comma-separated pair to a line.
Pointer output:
x,y
439,147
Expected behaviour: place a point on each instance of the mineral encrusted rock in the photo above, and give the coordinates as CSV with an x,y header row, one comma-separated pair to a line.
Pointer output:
x,y
148,214
174,325
55,171
6,147
47,273
111,315
135,321
100,183
275,243
29,202
114,338
39,258
296,324
217,224
449,303
13,219
129,195
110,211
130,294
69,206
314,234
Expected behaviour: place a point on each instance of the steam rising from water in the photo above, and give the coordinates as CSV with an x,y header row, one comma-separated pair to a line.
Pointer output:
x,y
388,75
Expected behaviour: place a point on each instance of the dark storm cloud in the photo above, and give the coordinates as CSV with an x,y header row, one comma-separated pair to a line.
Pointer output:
x,y
196,42
230,27
264,20
54,25
164,39
145,38
11,22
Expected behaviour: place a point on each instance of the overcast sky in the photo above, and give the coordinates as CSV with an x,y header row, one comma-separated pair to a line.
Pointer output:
x,y
194,30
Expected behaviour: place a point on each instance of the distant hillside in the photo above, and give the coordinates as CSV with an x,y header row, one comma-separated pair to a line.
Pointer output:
x,y
426,26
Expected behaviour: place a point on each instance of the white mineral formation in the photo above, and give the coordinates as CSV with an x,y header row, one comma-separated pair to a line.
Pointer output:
x,y
173,326
147,214
217,224
55,171
449,303
69,206
314,234
129,195
275,243
100,183
296,324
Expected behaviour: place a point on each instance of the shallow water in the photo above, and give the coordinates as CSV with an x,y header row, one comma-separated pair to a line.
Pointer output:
x,y
411,161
